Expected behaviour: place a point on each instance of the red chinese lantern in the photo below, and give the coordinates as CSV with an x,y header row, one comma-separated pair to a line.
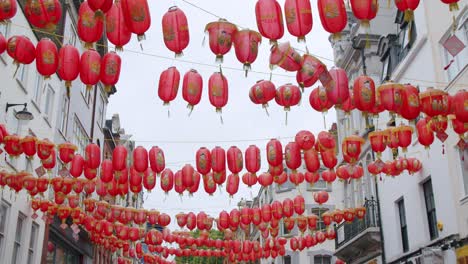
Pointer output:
x,y
167,180
262,93
342,172
235,160
365,10
89,27
311,160
218,162
8,10
288,95
168,85
93,156
246,47
364,93
269,19
296,178
311,177
234,218
218,91
221,34
299,204
66,152
329,159
110,70
460,106
434,102
305,139
339,92
320,197
453,4
337,216
325,141
286,57
209,184
21,50
288,207
46,57
44,14
348,105
274,151
404,137
203,161
68,65
164,220
410,103
348,214
293,158
389,95
232,185
50,162
119,158
355,171
156,160
298,15
44,148
329,176
188,173
378,141
136,16
90,68
352,147
192,87
360,212
319,100
311,70
265,179
252,160
425,134
223,220
140,159
149,180
333,16
414,165
175,30
106,171
3,44
28,144
116,29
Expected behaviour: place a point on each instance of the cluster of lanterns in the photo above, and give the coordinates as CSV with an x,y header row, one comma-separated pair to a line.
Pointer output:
x,y
66,61
395,167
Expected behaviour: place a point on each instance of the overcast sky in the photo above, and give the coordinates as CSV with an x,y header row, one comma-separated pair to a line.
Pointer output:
x,y
143,115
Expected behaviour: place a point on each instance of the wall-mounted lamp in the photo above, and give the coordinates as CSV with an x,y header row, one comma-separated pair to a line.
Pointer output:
x,y
23,114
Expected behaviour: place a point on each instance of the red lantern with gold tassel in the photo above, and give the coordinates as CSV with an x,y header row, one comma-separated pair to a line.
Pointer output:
x,y
220,34
305,139
50,162
168,85
232,185
404,137
262,92
167,180
339,92
299,204
218,91
434,102
265,179
203,161
298,15
329,175
46,57
325,141
93,156
320,197
311,160
119,158
364,93
246,47
274,151
100,7
378,141
365,10
252,159
410,102
425,134
209,184
44,148
329,159
21,50
107,174
8,10
286,57
68,65
407,6
149,180
269,19
188,176
319,100
453,4
156,160
90,28
293,158
460,105
311,70
288,95
66,152
44,14
137,16
390,96
414,165
116,29
352,147
110,70
192,87
218,164
90,68
175,30
333,16
28,144
235,160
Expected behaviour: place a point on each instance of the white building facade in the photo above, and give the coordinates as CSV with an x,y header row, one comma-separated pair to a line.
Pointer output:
x,y
423,216
78,119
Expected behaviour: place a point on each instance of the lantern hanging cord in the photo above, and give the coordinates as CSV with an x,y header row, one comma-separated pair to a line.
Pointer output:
x,y
437,84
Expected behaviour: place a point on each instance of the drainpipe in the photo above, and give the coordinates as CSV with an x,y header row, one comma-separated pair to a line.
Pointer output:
x,y
379,221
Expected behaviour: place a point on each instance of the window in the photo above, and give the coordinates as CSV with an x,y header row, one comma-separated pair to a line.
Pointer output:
x,y
406,36
287,260
49,103
32,242
403,226
464,167
430,209
320,224
86,93
18,239
100,114
4,209
322,259
320,185
64,115
284,229
37,90
80,138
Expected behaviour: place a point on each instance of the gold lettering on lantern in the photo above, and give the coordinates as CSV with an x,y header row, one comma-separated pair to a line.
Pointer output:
x,y
465,104
169,34
366,92
202,161
137,13
258,92
159,159
216,91
193,88
111,68
5,6
271,153
305,11
95,67
88,19
331,10
12,44
287,93
239,159
48,57
290,15
110,25
413,100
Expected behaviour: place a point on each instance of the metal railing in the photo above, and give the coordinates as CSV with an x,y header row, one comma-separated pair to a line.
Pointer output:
x,y
347,231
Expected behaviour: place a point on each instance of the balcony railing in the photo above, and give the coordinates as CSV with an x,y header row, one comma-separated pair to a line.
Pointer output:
x,y
347,231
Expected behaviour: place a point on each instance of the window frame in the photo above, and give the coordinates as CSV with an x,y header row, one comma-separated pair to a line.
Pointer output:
x,y
4,206
86,94
319,259
403,224
49,103
81,140
464,171
320,224
18,239
32,242
37,93
287,259
431,212
64,115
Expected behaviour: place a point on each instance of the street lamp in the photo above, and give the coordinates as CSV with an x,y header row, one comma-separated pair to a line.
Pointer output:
x,y
23,114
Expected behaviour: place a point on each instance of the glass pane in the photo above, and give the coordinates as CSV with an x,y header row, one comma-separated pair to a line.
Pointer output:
x,y
32,241
19,229
15,253
30,257
3,213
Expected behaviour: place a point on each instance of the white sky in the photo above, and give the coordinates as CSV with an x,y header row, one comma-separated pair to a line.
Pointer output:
x,y
143,115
